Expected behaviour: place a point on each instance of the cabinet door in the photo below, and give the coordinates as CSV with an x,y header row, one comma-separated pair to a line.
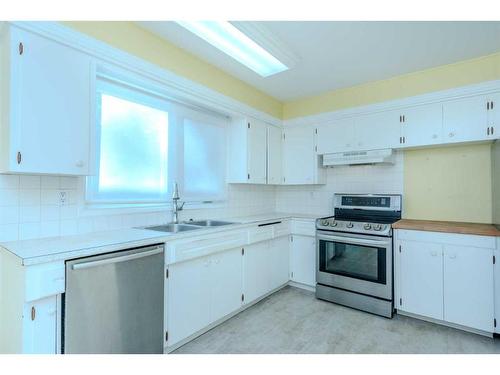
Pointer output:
x,y
468,287
336,137
465,120
421,277
377,131
274,155
279,262
497,287
39,326
422,125
494,116
256,271
303,260
257,158
226,283
51,95
188,298
299,156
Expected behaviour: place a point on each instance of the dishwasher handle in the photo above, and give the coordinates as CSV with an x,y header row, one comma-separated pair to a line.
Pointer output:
x,y
118,259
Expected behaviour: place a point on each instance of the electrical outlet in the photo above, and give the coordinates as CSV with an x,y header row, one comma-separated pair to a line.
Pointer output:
x,y
63,197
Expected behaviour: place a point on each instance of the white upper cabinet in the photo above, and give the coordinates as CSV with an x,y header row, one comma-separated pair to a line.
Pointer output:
x,y
46,105
300,159
338,136
251,159
421,125
468,284
465,120
493,107
377,131
274,155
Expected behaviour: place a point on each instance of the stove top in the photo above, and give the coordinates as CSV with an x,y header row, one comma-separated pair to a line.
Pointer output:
x,y
363,213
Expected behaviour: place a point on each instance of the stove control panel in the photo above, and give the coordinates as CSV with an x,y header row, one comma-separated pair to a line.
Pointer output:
x,y
331,224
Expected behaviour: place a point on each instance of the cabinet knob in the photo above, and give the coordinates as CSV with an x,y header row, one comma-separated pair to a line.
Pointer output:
x,y
451,135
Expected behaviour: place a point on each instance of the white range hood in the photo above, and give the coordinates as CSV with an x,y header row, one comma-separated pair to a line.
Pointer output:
x,y
385,156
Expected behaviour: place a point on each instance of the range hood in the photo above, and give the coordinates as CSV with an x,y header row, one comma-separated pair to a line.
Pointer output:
x,y
385,156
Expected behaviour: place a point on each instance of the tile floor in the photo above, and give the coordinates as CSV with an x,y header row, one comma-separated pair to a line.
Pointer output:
x,y
294,321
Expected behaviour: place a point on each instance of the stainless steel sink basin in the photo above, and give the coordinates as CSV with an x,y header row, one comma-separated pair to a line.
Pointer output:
x,y
173,228
209,223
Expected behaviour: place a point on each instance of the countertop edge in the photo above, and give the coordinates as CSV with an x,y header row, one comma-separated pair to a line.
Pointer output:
x,y
477,229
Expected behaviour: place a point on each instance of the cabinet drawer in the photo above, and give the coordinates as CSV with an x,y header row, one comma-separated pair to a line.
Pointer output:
x,y
44,280
258,234
281,229
182,250
304,227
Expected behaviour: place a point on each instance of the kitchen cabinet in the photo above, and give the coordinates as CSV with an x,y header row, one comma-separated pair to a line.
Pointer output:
x,y
468,286
445,276
279,262
47,104
421,125
377,131
421,282
250,159
189,295
274,155
493,116
40,326
303,260
496,288
301,164
338,136
465,119
256,268
226,283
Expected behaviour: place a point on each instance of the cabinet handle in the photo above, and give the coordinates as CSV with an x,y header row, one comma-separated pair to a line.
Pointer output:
x,y
21,48
491,105
19,157
400,140
400,118
487,106
33,313
492,128
488,131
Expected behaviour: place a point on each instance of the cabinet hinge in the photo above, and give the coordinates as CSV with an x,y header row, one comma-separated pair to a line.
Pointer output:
x,y
494,259
33,313
242,251
166,273
399,248
19,157
316,131
248,124
400,302
494,323
166,336
291,238
491,105
316,148
248,176
21,48
242,297
488,106
291,275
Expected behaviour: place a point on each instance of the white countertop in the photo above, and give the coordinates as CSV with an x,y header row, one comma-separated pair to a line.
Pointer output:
x,y
42,250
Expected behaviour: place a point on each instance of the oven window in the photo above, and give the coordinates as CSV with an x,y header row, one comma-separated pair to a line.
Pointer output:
x,y
356,261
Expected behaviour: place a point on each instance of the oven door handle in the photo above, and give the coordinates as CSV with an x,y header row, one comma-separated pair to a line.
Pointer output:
x,y
356,241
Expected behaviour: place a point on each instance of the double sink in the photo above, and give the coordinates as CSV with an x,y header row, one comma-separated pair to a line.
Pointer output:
x,y
188,225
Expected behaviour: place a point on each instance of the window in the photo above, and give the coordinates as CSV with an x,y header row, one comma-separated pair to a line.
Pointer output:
x,y
145,143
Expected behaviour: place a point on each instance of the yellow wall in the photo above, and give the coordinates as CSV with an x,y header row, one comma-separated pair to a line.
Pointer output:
x,y
449,183
463,73
135,40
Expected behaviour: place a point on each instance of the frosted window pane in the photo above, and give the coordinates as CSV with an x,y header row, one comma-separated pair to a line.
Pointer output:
x,y
134,150
204,160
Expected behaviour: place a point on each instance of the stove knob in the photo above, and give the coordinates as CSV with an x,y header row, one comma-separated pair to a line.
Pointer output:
x,y
367,226
377,227
333,223
324,222
349,225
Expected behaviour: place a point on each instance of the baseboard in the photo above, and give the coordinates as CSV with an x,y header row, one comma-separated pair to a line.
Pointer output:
x,y
302,286
447,324
169,349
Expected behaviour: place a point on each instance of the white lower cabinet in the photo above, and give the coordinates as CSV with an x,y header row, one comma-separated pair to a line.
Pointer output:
x,y
421,282
40,326
279,262
303,260
468,287
447,277
497,286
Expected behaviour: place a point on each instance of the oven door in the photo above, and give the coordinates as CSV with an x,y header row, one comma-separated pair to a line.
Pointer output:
x,y
355,262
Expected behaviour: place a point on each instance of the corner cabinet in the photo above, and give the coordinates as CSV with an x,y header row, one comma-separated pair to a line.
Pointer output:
x,y
446,277
254,154
301,161
46,105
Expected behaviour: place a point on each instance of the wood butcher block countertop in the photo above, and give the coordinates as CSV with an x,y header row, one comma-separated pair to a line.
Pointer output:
x,y
448,227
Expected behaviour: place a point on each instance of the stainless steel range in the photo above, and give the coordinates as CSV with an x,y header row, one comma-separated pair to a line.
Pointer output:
x,y
354,255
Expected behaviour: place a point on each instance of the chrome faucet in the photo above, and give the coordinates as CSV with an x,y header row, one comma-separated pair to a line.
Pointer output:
x,y
175,204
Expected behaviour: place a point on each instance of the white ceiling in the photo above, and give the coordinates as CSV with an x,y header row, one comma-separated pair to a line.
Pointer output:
x,y
333,54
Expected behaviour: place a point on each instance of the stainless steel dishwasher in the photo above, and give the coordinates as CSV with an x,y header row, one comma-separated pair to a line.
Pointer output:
x,y
114,302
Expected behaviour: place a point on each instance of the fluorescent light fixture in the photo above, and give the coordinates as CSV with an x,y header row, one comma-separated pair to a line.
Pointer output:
x,y
226,37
